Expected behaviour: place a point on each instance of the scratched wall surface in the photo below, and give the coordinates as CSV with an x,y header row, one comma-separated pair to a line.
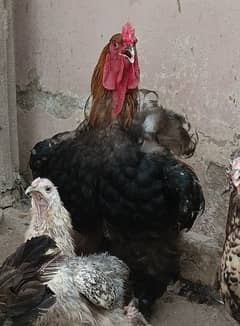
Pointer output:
x,y
189,52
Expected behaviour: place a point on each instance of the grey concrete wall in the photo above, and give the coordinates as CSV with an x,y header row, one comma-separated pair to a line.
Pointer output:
x,y
9,164
189,52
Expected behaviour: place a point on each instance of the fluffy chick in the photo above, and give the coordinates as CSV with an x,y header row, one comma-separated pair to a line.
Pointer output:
x,y
89,289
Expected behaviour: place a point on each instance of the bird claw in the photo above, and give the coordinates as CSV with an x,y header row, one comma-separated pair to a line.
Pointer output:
x,y
134,316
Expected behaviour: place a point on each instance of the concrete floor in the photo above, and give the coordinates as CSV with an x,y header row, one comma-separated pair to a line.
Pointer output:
x,y
170,310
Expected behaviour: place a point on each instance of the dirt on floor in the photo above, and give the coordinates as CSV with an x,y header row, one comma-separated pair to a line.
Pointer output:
x,y
170,310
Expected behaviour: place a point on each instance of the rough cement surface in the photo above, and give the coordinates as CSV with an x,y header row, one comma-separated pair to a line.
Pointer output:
x,y
173,310
7,198
6,171
58,104
12,229
8,114
200,258
170,310
214,182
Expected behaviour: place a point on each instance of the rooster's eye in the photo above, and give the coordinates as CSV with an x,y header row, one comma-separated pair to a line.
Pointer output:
x,y
115,44
48,189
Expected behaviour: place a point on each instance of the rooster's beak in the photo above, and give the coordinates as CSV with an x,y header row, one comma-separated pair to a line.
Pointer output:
x,y
129,53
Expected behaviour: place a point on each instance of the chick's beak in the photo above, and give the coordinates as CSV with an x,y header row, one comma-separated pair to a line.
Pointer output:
x,y
29,190
36,194
39,202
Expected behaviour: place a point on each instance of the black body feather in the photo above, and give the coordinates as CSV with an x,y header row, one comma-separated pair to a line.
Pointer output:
x,y
23,294
107,182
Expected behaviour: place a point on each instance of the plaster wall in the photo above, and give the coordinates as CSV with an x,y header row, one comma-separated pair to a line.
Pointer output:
x,y
9,163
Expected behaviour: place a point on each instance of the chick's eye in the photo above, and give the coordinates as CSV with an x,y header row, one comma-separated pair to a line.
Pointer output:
x,y
48,189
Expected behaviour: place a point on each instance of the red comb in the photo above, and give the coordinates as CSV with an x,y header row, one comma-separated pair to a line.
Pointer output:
x,y
128,34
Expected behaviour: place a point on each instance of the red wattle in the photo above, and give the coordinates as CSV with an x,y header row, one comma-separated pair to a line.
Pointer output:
x,y
118,77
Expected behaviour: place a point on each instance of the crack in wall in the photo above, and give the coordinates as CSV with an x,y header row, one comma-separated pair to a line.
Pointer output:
x,y
179,6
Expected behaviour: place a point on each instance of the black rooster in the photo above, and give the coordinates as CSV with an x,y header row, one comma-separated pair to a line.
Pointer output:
x,y
137,201
117,175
